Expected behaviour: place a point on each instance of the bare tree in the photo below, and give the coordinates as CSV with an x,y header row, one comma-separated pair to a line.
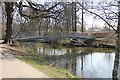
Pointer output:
x,y
9,11
38,12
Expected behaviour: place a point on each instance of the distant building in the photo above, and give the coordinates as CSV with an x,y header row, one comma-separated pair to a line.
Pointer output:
x,y
91,34
100,34
97,32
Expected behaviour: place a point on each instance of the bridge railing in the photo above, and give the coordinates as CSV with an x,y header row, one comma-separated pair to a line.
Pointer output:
x,y
81,35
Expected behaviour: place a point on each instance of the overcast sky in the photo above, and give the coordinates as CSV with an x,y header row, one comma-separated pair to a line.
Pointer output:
x,y
88,19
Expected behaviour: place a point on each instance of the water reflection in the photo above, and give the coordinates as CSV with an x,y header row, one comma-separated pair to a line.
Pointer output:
x,y
95,65
82,62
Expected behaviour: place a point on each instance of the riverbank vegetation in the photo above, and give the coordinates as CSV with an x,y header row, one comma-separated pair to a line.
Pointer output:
x,y
41,64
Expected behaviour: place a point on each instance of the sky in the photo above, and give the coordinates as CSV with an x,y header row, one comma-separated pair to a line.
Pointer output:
x,y
89,19
91,22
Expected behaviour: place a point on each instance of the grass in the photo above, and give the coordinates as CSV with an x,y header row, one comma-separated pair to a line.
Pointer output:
x,y
43,66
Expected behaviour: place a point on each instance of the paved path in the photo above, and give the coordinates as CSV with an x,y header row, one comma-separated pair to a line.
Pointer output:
x,y
11,67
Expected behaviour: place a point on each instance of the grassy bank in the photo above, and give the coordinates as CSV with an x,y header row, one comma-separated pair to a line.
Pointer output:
x,y
41,64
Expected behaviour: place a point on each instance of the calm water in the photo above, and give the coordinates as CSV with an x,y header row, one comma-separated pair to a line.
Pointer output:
x,y
82,62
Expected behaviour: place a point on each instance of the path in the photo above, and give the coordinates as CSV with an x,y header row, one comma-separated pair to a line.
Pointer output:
x,y
11,67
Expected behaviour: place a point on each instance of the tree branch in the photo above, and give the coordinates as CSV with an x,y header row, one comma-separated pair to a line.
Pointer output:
x,y
98,16
45,14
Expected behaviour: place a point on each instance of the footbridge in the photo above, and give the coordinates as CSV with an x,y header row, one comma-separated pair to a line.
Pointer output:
x,y
72,36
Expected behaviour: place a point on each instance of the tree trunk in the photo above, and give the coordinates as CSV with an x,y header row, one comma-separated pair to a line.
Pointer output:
x,y
82,19
74,17
117,54
9,23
